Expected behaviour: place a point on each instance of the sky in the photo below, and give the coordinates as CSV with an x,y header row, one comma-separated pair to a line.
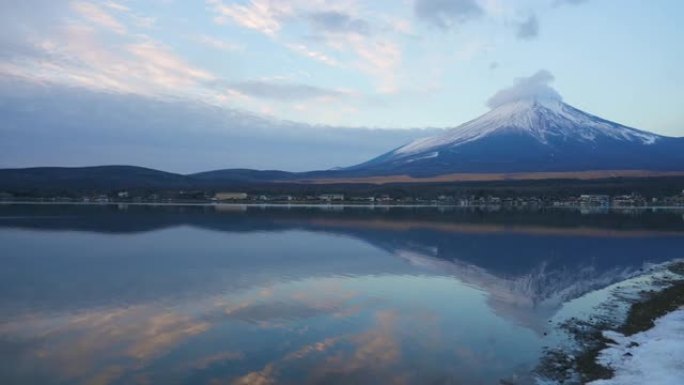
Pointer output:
x,y
188,86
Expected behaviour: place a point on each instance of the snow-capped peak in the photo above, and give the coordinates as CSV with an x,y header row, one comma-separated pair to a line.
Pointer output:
x,y
545,119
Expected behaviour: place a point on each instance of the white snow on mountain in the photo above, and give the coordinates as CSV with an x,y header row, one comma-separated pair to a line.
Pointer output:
x,y
546,120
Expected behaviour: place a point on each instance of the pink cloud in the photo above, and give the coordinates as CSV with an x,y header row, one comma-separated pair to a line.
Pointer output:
x,y
99,16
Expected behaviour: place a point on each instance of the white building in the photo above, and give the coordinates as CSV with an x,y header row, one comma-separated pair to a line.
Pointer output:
x,y
331,197
230,196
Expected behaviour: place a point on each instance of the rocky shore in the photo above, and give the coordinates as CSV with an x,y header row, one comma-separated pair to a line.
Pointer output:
x,y
643,345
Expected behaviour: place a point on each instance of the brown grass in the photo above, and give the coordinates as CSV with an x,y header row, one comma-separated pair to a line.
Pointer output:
x,y
493,177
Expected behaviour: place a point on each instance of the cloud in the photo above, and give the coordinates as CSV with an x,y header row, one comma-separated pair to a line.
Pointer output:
x,y
70,126
528,29
265,16
338,22
446,14
270,16
219,44
21,19
533,87
157,62
380,58
313,54
339,34
97,15
283,91
85,45
569,2
86,55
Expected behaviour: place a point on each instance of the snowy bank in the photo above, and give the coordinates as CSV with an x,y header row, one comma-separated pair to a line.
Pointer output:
x,y
654,357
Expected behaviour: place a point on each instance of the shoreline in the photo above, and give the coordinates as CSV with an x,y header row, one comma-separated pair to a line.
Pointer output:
x,y
594,361
653,356
345,204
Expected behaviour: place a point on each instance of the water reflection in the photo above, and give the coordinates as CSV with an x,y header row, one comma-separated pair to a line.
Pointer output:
x,y
255,295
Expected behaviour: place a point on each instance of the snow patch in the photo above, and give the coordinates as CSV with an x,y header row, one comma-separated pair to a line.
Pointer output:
x,y
429,155
654,357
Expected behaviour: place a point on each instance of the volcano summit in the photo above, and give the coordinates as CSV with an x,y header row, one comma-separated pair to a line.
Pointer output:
x,y
530,129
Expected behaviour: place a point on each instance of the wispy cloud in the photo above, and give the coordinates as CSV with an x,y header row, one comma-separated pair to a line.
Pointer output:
x,y
75,55
83,53
528,29
284,91
98,15
379,57
156,62
447,14
217,43
140,21
338,22
116,6
336,31
570,2
313,54
264,16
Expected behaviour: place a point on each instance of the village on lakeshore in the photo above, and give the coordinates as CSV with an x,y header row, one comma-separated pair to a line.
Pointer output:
x,y
599,201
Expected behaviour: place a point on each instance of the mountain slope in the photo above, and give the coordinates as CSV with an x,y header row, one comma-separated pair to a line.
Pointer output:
x,y
531,136
88,178
108,178
241,175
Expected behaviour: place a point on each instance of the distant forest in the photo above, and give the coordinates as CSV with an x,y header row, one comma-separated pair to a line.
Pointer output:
x,y
136,181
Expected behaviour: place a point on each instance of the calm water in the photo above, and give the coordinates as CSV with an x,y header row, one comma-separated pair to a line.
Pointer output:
x,y
260,296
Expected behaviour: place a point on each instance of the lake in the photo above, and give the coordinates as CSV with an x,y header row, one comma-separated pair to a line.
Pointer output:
x,y
257,295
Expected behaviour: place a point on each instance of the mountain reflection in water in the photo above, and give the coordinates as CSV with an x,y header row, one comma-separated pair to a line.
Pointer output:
x,y
254,295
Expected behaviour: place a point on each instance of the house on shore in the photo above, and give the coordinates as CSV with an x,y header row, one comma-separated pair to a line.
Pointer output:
x,y
331,197
230,196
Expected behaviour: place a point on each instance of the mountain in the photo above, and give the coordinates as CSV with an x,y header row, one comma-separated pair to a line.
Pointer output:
x,y
239,175
520,140
538,135
108,178
88,178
